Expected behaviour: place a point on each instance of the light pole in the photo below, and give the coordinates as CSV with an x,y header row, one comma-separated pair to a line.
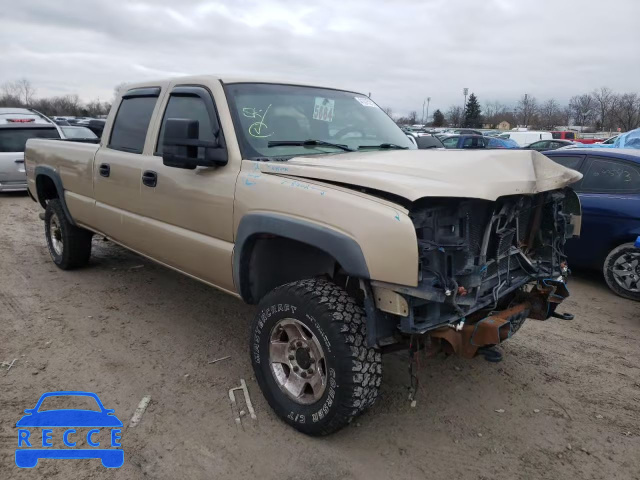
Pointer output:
x,y
428,102
465,91
423,112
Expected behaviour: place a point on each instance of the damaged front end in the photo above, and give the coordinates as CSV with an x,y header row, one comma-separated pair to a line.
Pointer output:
x,y
485,266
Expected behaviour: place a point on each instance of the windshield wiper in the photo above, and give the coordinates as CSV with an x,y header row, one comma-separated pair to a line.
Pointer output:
x,y
307,143
384,145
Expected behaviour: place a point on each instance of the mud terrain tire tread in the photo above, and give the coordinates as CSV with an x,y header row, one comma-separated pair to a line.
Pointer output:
x,y
358,367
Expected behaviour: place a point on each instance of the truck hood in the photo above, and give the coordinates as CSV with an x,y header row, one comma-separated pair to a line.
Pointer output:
x,y
414,174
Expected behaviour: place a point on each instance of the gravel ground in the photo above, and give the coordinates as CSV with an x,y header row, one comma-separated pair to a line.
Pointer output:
x,y
564,402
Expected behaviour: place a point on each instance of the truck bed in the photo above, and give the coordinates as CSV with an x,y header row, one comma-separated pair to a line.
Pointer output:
x,y
72,160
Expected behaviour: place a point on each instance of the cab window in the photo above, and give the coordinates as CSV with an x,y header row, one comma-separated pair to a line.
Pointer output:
x,y
192,107
132,120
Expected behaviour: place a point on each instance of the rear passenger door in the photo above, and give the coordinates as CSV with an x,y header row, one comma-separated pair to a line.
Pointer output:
x,y
118,166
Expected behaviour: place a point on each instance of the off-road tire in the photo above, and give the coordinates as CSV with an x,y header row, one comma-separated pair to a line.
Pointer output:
x,y
354,371
75,242
609,275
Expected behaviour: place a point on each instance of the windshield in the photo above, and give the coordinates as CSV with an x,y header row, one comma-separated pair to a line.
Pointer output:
x,y
265,113
14,139
78,132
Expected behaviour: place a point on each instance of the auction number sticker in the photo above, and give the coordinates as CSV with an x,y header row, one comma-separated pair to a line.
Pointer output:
x,y
365,101
323,109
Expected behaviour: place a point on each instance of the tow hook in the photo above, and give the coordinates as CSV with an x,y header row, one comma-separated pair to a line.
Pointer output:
x,y
563,316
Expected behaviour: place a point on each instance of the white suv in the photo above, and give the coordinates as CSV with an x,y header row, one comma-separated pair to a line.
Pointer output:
x,y
17,125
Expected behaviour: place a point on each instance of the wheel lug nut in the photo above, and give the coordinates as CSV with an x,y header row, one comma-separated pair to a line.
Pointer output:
x,y
303,374
291,357
298,344
295,369
310,371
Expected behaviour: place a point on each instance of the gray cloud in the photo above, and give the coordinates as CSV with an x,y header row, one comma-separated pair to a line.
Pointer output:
x,y
399,51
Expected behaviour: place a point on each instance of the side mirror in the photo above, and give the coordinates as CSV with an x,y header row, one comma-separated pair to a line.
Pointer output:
x,y
181,146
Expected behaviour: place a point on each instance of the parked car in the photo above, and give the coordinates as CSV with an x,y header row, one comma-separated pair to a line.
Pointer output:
x,y
465,141
495,142
610,140
545,145
17,125
428,141
610,197
96,125
346,237
79,133
467,131
526,137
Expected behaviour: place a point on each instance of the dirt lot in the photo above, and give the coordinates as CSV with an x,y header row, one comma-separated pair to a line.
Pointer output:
x,y
567,392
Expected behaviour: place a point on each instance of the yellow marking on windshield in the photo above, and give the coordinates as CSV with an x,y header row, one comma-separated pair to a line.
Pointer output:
x,y
255,129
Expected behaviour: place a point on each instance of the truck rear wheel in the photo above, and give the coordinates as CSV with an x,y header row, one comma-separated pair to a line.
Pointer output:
x,y
310,358
69,246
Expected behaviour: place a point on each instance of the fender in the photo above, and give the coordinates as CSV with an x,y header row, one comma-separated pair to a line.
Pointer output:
x,y
343,248
57,181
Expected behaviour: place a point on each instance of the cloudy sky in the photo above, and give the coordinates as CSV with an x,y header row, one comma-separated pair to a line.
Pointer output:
x,y
401,51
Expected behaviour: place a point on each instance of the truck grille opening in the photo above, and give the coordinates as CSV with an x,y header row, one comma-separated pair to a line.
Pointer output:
x,y
475,254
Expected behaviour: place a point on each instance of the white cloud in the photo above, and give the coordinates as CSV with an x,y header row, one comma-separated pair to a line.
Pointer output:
x,y
400,51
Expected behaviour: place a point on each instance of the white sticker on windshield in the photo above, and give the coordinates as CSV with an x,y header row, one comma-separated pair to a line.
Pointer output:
x,y
323,109
365,101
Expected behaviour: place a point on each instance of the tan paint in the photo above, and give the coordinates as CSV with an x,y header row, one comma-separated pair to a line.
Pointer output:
x,y
415,174
385,234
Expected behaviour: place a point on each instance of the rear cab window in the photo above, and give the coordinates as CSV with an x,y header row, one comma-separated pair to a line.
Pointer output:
x,y
15,139
130,126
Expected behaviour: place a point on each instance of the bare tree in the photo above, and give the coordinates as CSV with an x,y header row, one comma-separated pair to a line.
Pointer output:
x,y
627,111
526,109
604,99
582,109
549,114
494,113
455,116
27,91
388,111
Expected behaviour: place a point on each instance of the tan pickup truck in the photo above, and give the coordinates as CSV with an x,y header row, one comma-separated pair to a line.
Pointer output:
x,y
311,203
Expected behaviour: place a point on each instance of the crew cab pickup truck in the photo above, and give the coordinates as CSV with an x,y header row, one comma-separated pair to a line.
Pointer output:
x,y
311,203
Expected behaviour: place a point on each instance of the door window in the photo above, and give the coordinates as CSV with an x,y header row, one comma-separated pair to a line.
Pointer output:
x,y
193,108
606,175
131,124
450,142
569,161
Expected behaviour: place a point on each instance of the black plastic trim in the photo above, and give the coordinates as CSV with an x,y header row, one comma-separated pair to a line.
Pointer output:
x,y
344,249
142,92
57,181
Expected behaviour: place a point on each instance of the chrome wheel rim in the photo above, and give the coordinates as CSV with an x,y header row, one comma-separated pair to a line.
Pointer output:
x,y
297,361
626,271
56,234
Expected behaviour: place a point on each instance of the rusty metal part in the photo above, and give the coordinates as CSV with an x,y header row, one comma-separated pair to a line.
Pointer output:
x,y
490,330
545,294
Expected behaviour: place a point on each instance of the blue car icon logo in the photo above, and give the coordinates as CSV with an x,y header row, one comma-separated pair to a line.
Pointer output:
x,y
32,447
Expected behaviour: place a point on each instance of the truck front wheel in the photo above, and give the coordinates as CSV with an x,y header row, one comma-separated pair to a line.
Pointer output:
x,y
310,358
69,246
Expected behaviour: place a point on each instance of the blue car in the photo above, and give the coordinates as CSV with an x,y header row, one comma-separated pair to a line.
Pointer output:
x,y
27,453
610,197
465,141
495,142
